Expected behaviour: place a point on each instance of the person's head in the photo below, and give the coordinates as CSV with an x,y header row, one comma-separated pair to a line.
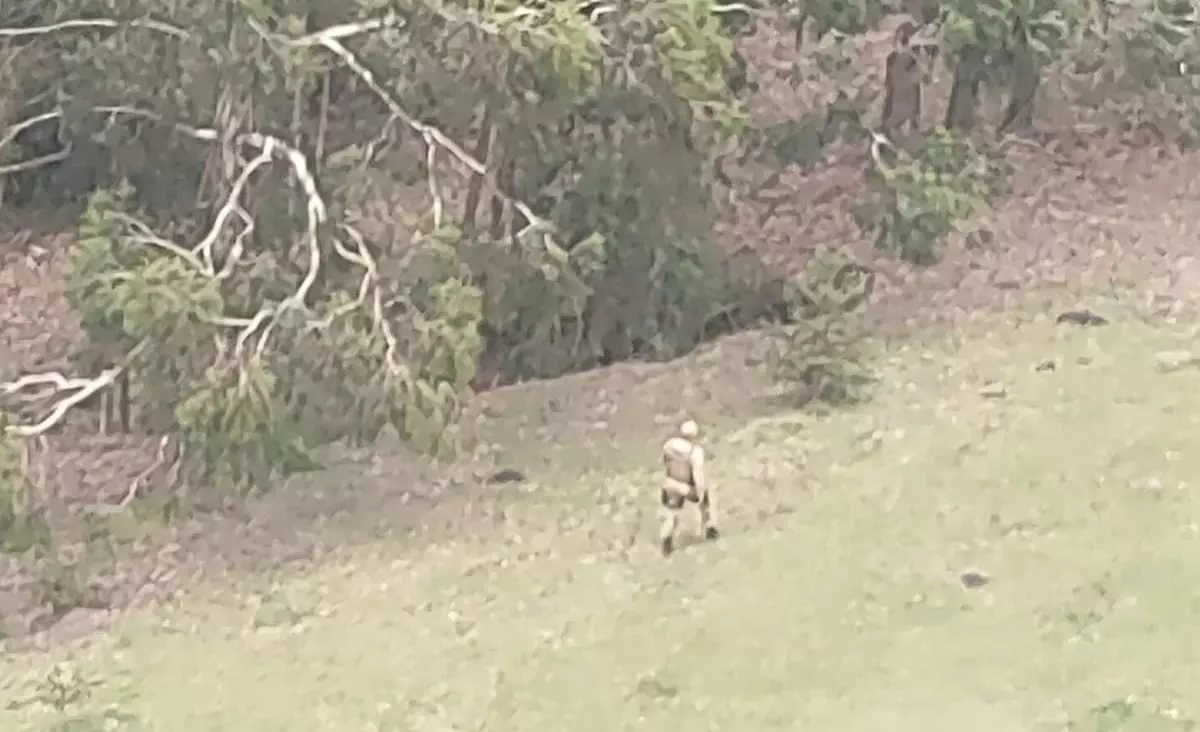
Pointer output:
x,y
689,430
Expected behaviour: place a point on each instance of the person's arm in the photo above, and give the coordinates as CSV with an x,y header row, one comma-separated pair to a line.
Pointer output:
x,y
698,477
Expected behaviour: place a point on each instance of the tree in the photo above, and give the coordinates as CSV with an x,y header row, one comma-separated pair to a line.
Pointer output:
x,y
1004,41
302,222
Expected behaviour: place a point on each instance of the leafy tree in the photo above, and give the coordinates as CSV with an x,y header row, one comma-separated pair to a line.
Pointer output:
x,y
301,222
1004,41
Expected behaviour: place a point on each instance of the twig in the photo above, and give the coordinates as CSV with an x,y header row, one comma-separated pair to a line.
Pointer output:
x,y
135,485
11,133
878,144
145,236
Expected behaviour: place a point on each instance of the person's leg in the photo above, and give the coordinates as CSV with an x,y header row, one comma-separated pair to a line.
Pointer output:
x,y
708,514
668,524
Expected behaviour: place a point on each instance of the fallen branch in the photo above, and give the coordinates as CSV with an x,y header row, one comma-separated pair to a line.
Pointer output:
x,y
270,147
93,24
82,388
14,130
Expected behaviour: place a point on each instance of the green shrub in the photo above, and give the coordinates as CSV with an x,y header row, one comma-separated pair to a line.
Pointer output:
x,y
820,356
918,198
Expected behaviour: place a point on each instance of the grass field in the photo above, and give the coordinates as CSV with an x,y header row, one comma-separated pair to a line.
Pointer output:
x,y
834,602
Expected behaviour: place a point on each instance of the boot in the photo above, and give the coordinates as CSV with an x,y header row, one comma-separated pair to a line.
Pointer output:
x,y
711,533
668,546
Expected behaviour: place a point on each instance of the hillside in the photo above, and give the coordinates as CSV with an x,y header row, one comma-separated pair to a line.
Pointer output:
x,y
834,601
1089,215
998,538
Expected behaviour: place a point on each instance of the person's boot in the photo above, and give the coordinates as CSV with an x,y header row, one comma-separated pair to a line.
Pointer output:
x,y
668,546
711,533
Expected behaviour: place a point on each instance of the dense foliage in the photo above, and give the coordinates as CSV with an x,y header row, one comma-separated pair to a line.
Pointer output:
x,y
302,221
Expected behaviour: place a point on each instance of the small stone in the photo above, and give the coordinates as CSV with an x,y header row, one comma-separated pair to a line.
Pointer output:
x,y
506,475
1081,317
973,579
993,390
1169,361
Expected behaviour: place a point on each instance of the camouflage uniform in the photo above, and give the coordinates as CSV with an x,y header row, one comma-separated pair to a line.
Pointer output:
x,y
685,480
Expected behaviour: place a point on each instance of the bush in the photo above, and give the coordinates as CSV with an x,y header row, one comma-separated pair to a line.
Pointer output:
x,y
919,197
248,375
819,355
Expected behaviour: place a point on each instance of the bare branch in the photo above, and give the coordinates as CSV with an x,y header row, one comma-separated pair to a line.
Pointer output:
x,y
731,8
82,388
880,143
269,147
51,378
161,459
146,236
318,214
99,23
229,208
434,191
204,134
372,278
37,162
11,133
330,39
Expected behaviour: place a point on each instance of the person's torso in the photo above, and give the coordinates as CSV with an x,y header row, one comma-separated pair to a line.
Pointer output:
x,y
677,459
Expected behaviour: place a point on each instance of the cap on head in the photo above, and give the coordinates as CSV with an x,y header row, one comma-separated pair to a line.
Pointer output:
x,y
689,430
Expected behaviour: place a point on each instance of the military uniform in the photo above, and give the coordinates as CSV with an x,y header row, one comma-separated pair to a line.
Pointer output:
x,y
685,481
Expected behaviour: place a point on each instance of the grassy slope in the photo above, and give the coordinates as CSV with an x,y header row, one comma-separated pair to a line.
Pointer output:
x,y
833,603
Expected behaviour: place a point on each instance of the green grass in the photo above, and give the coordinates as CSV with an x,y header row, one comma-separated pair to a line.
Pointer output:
x,y
833,603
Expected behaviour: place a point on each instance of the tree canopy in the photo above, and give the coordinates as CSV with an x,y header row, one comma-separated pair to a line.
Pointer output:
x,y
302,221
